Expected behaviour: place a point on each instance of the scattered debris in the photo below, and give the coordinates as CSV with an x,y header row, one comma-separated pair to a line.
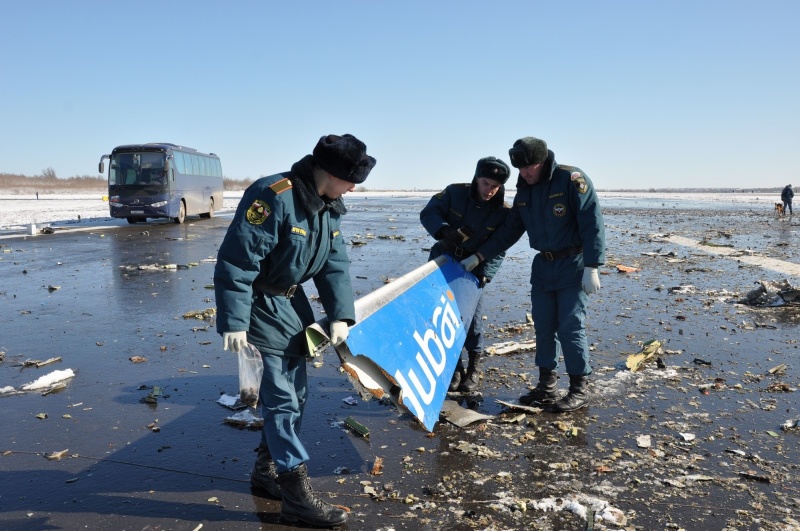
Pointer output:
x,y
208,313
778,369
377,467
152,396
767,293
509,347
635,362
350,401
231,402
56,456
356,427
528,409
459,416
682,289
245,418
38,364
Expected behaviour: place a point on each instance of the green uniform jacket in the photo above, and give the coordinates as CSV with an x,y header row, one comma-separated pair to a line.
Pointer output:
x,y
559,212
283,233
457,206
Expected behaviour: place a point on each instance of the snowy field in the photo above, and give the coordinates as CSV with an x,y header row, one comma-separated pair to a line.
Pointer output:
x,y
19,211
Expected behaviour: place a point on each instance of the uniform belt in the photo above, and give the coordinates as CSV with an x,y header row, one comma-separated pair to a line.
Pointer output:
x,y
269,289
460,252
457,252
563,253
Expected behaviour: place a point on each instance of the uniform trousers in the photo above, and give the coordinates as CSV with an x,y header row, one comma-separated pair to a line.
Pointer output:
x,y
558,317
283,393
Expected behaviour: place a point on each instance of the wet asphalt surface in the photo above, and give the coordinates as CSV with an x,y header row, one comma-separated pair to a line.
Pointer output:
x,y
121,473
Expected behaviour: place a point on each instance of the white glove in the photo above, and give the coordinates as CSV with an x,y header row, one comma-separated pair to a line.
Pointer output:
x,y
234,341
471,262
339,332
591,281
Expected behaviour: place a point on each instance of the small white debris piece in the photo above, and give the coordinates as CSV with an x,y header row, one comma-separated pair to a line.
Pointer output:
x,y
643,441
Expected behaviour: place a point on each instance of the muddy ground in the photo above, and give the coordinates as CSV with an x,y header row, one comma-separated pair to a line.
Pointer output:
x,y
717,456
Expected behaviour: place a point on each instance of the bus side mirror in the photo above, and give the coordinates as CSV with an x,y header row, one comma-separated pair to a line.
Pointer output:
x,y
101,167
168,170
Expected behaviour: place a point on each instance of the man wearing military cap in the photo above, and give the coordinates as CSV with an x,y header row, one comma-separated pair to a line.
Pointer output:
x,y
461,218
558,207
287,230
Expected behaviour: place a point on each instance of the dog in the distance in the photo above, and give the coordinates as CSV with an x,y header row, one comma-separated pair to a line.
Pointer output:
x,y
778,209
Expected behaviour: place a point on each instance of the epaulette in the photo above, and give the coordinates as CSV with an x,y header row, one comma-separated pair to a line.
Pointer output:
x,y
281,186
568,168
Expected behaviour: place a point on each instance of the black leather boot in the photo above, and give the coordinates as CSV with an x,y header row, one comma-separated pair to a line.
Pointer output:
x,y
458,376
264,474
301,504
578,396
544,394
472,379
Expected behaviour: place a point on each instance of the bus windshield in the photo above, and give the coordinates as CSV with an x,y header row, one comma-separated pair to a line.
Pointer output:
x,y
141,168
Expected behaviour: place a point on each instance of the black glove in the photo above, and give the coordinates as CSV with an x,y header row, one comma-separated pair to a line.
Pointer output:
x,y
454,237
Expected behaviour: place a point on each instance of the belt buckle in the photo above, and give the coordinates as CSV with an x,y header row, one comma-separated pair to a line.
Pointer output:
x,y
548,256
290,291
459,252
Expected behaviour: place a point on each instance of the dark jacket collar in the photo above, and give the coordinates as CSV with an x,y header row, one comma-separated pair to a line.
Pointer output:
x,y
302,176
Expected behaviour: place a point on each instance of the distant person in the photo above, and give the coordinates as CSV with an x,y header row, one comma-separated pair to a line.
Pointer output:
x,y
461,218
786,196
287,230
558,207
37,196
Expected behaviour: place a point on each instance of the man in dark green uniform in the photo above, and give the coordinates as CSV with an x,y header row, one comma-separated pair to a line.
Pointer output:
x,y
461,218
286,231
558,207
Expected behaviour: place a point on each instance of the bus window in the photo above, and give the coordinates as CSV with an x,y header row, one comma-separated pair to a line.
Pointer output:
x,y
177,157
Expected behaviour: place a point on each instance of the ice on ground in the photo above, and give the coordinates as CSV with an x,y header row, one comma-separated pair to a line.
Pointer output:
x,y
49,379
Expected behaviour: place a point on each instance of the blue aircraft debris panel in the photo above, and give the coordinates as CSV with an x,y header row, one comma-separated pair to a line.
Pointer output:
x,y
408,337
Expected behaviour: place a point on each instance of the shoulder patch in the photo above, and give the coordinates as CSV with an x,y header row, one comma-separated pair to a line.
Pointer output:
x,y
258,212
579,182
281,186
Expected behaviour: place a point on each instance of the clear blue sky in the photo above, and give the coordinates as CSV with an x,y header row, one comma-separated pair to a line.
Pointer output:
x,y
639,94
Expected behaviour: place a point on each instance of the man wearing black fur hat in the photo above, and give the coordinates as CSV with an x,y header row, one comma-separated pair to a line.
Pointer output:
x,y
461,218
286,231
558,207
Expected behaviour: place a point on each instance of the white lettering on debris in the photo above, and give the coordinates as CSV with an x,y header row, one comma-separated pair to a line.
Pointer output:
x,y
443,335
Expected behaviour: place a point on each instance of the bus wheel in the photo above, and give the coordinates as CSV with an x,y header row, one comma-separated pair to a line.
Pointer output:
x,y
181,214
133,221
210,213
